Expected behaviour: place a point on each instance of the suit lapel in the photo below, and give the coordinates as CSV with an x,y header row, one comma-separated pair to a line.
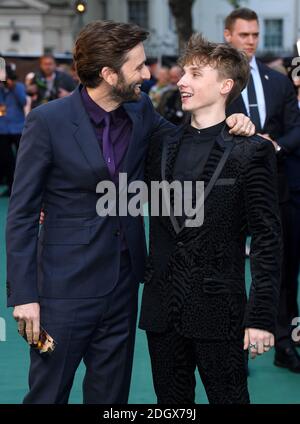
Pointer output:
x,y
136,118
266,83
169,155
85,136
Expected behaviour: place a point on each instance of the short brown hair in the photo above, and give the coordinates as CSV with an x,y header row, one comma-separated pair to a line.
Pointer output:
x,y
228,61
241,13
104,43
47,56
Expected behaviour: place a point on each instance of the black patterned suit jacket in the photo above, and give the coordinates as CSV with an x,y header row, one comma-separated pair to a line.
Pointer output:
x,y
195,278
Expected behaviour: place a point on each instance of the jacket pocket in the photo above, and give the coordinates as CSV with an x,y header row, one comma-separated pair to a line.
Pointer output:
x,y
65,235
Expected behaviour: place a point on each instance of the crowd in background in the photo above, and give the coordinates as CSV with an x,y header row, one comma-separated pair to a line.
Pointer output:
x,y
51,82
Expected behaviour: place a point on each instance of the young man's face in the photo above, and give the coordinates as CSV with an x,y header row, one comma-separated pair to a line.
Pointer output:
x,y
244,35
200,87
131,76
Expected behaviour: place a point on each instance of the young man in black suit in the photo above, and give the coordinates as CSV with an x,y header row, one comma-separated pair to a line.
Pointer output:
x,y
271,102
194,307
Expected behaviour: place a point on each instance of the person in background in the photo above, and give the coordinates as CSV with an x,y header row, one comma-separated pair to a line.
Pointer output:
x,y
170,103
152,66
162,85
270,101
12,102
48,83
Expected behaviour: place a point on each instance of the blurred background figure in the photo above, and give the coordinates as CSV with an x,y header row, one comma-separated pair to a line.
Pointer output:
x,y
269,99
170,102
162,85
296,82
152,65
12,102
48,83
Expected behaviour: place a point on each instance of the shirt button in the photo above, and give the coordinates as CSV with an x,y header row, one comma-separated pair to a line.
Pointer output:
x,y
180,244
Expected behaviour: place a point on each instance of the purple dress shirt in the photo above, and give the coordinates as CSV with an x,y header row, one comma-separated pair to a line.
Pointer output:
x,y
113,132
114,140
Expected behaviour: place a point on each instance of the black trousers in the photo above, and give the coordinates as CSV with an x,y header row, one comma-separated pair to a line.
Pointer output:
x,y
9,144
221,366
101,331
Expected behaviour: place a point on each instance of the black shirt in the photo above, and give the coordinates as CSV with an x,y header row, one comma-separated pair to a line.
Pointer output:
x,y
194,150
195,147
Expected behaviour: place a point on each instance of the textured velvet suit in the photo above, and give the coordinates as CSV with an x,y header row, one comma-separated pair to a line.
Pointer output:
x,y
195,279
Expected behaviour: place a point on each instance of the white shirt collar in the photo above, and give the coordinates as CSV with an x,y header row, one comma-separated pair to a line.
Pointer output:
x,y
253,64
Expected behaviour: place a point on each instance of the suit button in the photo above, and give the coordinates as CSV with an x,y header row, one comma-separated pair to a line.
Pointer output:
x,y
180,244
117,233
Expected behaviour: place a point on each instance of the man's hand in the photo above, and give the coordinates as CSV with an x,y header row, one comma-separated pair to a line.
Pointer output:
x,y
42,217
63,93
28,318
267,137
240,124
258,341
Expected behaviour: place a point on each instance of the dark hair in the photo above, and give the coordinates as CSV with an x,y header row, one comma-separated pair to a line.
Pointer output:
x,y
228,61
10,70
241,13
47,56
104,43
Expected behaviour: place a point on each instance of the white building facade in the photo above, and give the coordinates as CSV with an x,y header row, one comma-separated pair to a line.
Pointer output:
x,y
50,25
32,27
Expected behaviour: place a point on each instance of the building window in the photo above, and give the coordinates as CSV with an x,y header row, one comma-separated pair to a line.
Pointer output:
x,y
273,38
138,12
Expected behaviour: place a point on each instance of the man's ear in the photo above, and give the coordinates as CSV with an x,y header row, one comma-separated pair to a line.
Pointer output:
x,y
227,35
227,86
109,75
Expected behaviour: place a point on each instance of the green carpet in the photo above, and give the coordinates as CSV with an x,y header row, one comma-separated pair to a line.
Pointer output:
x,y
267,383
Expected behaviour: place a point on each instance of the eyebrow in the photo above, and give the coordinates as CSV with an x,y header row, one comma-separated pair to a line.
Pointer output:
x,y
195,68
249,33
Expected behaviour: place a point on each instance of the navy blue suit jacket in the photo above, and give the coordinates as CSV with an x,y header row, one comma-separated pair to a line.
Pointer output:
x,y
77,253
282,117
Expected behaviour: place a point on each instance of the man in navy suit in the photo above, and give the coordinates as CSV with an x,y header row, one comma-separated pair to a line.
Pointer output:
x,y
78,278
271,102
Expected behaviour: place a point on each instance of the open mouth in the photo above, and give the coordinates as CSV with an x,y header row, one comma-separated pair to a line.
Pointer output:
x,y
185,95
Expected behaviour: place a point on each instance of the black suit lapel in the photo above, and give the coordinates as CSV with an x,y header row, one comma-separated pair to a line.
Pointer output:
x,y
169,155
267,87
